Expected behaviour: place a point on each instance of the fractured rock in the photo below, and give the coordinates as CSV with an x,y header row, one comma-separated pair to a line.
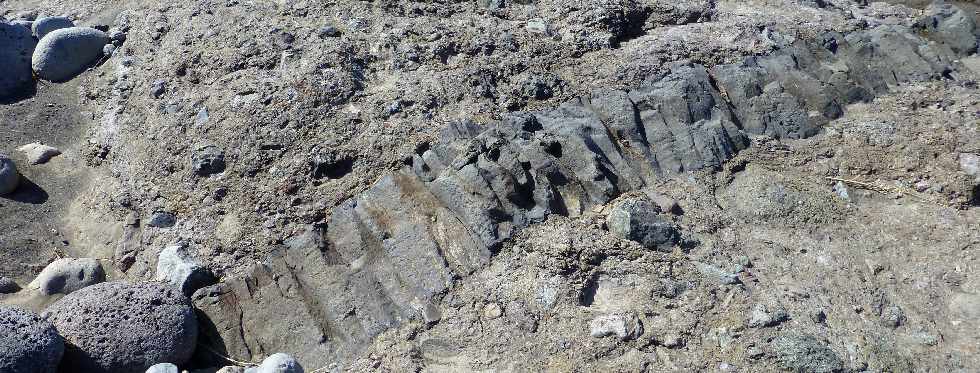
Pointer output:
x,y
38,153
640,221
44,25
9,177
178,267
64,53
28,343
118,327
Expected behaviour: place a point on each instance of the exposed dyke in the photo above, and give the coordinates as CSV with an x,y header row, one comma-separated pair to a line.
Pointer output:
x,y
388,254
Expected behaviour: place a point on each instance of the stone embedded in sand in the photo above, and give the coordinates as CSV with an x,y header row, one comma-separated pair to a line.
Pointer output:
x,y
9,177
63,54
118,327
640,221
8,285
277,363
15,58
208,160
625,326
45,25
178,267
163,368
805,353
38,153
64,276
28,343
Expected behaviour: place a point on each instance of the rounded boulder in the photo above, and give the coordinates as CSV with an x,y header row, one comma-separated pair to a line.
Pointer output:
x,y
28,343
15,57
44,26
9,177
66,275
62,54
119,327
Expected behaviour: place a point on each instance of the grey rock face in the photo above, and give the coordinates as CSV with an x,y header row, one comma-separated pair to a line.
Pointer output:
x,y
28,343
117,327
163,368
178,267
279,363
9,177
805,354
15,57
64,276
8,285
951,26
64,53
639,220
43,26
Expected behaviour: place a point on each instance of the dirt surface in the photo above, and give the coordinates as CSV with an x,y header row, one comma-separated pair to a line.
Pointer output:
x,y
851,247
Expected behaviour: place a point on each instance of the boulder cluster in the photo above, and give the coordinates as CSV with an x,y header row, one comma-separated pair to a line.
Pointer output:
x,y
49,48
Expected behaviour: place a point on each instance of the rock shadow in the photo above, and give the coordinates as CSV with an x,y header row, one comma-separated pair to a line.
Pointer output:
x,y
28,91
28,192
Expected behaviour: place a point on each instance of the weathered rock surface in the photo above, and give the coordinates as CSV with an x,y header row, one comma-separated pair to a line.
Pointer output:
x,y
117,327
62,54
64,276
28,343
9,177
15,56
639,220
44,25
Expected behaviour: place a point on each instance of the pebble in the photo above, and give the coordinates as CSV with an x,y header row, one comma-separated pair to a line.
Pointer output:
x,y
492,311
328,32
970,163
277,363
9,177
63,54
763,316
67,275
158,88
45,25
162,219
38,153
231,369
625,326
8,286
119,327
163,368
28,343
108,50
178,267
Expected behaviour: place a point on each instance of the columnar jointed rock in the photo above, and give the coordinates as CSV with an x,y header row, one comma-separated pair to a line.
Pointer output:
x,y
64,53
117,327
9,177
67,275
15,57
178,267
28,343
45,25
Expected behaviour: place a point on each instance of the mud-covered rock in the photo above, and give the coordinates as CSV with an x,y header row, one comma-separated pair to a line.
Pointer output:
x,y
15,57
62,54
66,275
118,327
9,176
44,25
28,343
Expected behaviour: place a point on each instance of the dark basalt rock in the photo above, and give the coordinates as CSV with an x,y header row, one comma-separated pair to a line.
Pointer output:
x,y
28,343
